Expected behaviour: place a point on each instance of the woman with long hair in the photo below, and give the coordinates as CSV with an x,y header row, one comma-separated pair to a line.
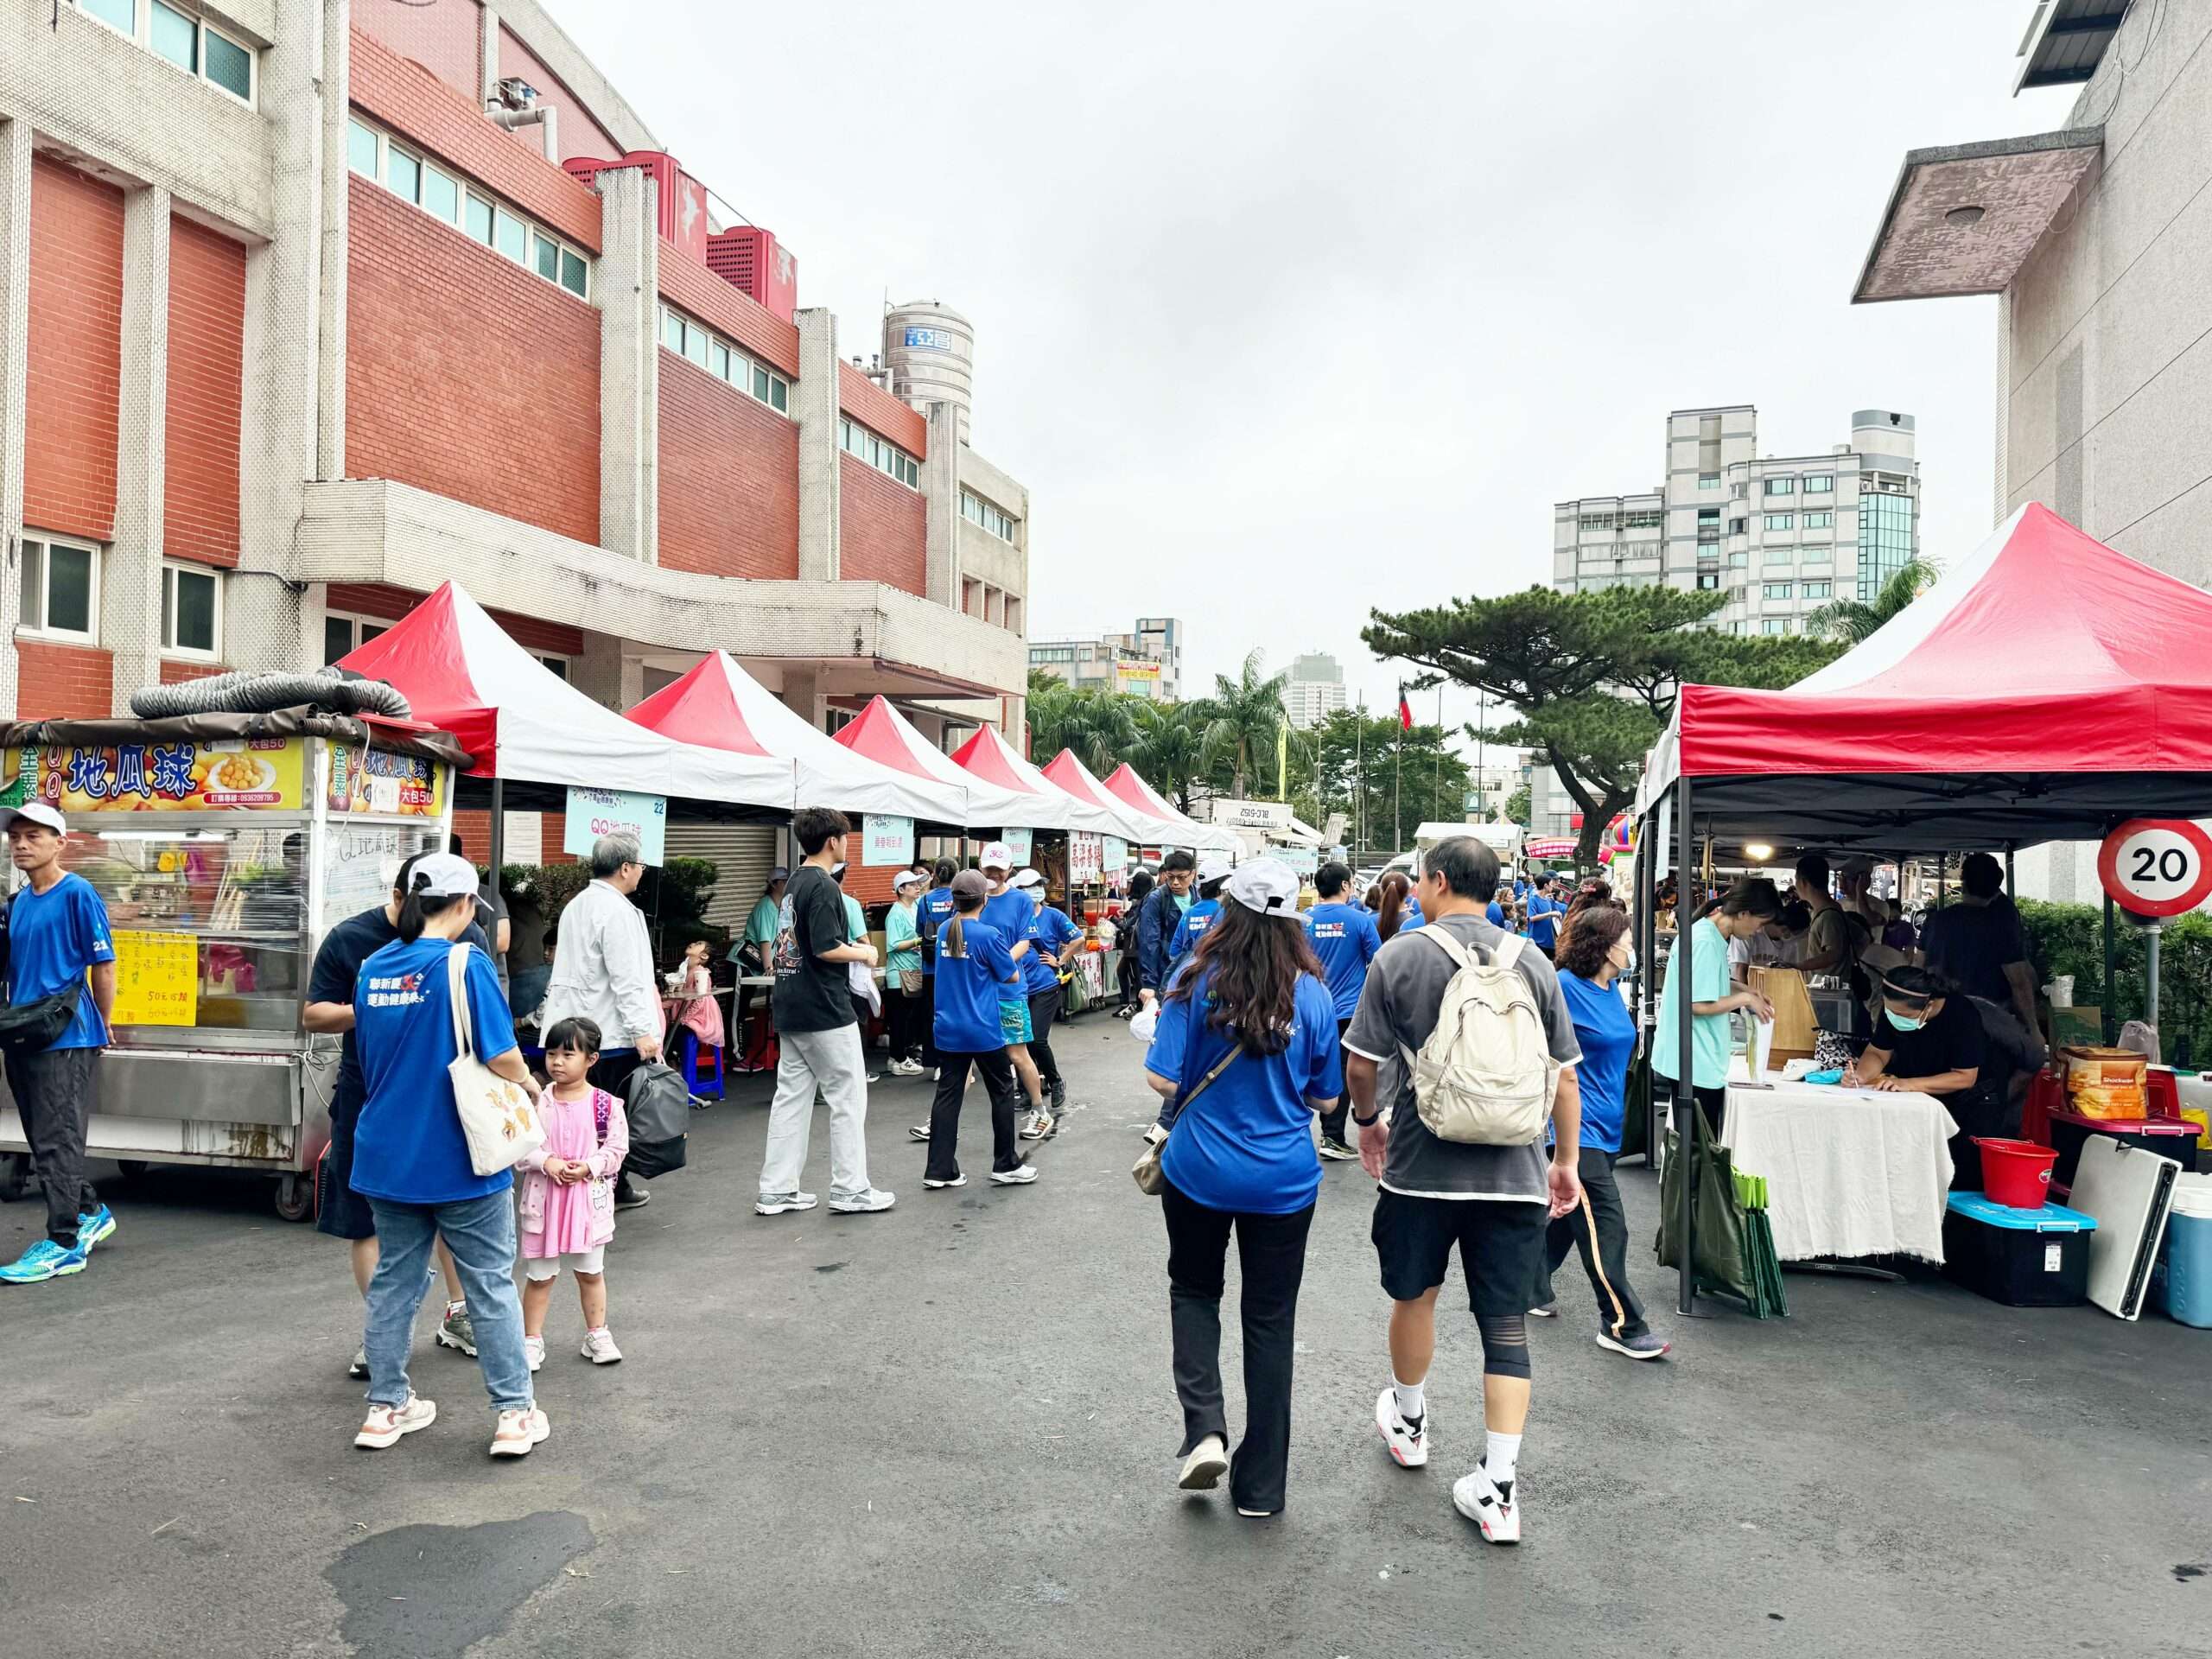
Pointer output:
x,y
1247,1048
1391,914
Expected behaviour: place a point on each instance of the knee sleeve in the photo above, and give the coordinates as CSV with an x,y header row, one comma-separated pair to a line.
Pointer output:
x,y
1506,1343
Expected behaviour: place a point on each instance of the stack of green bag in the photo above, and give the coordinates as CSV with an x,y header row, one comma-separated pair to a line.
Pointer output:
x,y
1732,1245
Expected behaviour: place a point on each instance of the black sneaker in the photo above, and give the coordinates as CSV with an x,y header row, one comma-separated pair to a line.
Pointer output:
x,y
628,1195
1060,1096
1335,1150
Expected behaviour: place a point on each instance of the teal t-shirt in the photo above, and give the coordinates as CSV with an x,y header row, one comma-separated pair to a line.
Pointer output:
x,y
1709,1033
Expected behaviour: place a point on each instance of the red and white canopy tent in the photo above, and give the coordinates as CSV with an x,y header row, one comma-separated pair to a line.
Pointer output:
x,y
462,673
717,705
889,737
1128,784
1071,774
991,758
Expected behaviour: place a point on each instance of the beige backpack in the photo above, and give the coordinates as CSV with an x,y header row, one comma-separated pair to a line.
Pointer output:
x,y
1486,1077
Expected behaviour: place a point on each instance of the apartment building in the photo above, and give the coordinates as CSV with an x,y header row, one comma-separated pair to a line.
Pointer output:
x,y
1314,690
1145,662
308,305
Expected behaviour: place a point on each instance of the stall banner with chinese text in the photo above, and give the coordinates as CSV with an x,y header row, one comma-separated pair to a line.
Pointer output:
x,y
1017,844
233,774
156,979
378,781
596,812
1114,856
1083,857
887,841
1302,860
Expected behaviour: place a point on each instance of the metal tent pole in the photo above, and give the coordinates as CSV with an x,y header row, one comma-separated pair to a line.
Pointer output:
x,y
1679,970
498,834
1647,970
2151,982
2108,998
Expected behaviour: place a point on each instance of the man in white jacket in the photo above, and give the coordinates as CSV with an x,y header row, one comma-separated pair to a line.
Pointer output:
x,y
603,972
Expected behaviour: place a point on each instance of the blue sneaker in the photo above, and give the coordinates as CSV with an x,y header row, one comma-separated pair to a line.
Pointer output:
x,y
95,1228
44,1260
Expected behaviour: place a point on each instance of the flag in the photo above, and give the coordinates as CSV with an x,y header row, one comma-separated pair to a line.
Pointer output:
x,y
1282,761
1405,711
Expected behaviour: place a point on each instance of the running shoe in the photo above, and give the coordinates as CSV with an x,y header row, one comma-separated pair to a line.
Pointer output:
x,y
44,1260
777,1204
457,1330
518,1432
1154,1134
1059,1087
1020,1175
1336,1150
1408,1441
919,1132
1544,1311
95,1228
628,1195
906,1068
385,1424
598,1347
1489,1505
1037,1125
939,1184
1645,1346
533,1350
1203,1468
357,1367
863,1204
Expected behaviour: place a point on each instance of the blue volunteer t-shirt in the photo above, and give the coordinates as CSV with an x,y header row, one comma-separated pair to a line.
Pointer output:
x,y
1247,1143
968,990
1010,912
1495,916
1345,937
932,912
1410,914
1048,929
52,938
1199,917
409,1149
1543,920
1607,1031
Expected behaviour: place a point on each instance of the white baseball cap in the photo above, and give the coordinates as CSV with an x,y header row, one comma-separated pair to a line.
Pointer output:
x,y
1212,868
1024,878
443,875
906,878
34,812
997,855
1267,885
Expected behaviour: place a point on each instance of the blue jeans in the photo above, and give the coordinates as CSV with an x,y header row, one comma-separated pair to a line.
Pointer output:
x,y
480,1233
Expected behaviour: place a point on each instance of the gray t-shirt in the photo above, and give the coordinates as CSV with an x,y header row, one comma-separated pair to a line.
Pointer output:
x,y
1397,1011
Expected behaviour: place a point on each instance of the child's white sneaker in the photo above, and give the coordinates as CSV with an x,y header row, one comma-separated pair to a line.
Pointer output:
x,y
533,1350
598,1347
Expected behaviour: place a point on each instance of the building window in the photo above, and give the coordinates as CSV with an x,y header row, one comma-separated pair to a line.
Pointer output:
x,y
192,43
976,510
1819,521
1709,515
1782,486
1708,480
1708,579
555,665
880,453
191,598
1817,589
1886,540
1782,521
61,589
1014,615
1775,625
1738,527
342,635
374,153
1738,559
1642,519
692,341
1775,590
1819,483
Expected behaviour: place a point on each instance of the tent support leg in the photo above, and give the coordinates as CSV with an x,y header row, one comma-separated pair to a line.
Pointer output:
x,y
1679,970
2108,998
1647,971
498,834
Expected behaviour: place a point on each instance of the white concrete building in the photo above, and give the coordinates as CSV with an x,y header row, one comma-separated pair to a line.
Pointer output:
x,y
1315,691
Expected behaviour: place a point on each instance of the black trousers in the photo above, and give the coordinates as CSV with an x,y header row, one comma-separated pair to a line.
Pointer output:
x,y
1271,1260
905,1014
927,1035
999,1087
1597,1228
1044,1006
1126,977
52,1089
1336,1125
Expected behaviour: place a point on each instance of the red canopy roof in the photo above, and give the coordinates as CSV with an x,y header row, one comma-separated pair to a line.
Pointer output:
x,y
1079,781
1127,784
886,737
990,757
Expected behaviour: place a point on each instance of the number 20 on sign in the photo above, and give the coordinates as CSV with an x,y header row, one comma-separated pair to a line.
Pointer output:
x,y
2157,867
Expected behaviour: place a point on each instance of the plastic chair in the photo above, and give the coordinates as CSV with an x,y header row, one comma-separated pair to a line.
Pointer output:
x,y
702,1084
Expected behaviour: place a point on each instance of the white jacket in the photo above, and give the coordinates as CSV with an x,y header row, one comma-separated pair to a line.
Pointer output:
x,y
603,969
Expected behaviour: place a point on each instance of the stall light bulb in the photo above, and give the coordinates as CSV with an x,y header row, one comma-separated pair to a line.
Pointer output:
x,y
1758,851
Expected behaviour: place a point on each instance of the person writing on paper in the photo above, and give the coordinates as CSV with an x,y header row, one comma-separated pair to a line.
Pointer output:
x,y
1747,907
1930,1041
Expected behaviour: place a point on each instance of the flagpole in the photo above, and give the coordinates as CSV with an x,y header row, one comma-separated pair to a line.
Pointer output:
x,y
1359,772
1398,782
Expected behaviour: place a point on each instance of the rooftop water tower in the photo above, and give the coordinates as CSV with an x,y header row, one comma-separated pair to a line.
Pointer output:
x,y
929,351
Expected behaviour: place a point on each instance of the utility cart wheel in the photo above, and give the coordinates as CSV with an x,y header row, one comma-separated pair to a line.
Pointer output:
x,y
294,1198
15,1176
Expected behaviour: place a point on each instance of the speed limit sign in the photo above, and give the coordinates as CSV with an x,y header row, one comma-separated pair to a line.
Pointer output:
x,y
2157,867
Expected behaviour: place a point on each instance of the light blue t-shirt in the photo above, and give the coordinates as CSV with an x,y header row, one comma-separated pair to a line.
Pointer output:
x,y
1345,937
52,938
1710,1033
969,990
1247,1143
409,1149
1199,917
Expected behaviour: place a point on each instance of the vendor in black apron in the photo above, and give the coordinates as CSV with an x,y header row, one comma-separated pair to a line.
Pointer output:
x,y
1929,1040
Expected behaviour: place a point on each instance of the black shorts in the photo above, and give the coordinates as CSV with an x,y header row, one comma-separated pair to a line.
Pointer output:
x,y
1501,1247
340,1210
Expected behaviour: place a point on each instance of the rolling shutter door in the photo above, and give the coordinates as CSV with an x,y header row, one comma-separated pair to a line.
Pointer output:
x,y
745,852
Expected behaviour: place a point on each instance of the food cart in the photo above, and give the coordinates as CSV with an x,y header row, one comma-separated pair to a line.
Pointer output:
x,y
224,847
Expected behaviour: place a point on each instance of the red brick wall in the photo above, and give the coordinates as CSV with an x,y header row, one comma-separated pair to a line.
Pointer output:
x,y
474,829
375,599
467,375
74,364
883,536
442,38
175,673
579,134
200,513
412,100
877,410
690,286
729,477
64,681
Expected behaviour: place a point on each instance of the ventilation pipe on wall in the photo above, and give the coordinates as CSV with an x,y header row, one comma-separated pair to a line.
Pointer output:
x,y
517,106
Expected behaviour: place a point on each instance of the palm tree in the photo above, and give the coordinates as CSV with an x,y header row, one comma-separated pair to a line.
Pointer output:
x,y
1242,717
1854,620
1095,724
1171,746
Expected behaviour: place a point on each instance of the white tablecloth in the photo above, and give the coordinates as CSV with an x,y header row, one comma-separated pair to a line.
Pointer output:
x,y
1849,1172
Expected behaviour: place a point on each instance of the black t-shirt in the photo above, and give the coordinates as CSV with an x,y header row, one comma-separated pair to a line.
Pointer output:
x,y
337,965
811,995
1973,942
1952,1041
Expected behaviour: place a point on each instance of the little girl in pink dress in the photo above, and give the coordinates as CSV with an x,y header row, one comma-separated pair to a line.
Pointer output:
x,y
567,1191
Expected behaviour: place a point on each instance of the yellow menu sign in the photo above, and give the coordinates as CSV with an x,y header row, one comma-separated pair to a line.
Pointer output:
x,y
233,774
156,979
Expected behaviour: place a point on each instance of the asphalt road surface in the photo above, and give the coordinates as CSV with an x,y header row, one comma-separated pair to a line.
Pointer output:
x,y
949,1430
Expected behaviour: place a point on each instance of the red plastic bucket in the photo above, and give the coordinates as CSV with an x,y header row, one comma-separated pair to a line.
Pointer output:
x,y
2016,1173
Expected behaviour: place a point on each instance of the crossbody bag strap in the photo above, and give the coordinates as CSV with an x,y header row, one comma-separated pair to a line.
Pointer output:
x,y
457,995
1219,1066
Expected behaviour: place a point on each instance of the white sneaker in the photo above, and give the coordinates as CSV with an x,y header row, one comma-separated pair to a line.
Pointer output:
x,y
385,1424
518,1432
1489,1506
936,1185
1203,1468
1037,1125
907,1068
1408,1445
1154,1134
1020,1175
533,1350
919,1132
598,1347
863,1204
777,1203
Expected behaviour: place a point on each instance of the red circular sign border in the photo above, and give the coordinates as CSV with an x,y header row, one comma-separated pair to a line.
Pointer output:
x,y
2108,867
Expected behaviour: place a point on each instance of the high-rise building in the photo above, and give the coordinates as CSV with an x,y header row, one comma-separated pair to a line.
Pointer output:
x,y
1147,662
1315,691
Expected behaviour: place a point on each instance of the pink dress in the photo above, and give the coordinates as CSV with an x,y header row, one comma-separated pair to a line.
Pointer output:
x,y
703,1016
560,1220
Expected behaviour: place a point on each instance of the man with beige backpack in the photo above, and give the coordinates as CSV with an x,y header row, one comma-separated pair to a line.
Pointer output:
x,y
1472,1029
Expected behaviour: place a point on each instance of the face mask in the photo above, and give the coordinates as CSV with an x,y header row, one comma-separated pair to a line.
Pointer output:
x,y
1905,1022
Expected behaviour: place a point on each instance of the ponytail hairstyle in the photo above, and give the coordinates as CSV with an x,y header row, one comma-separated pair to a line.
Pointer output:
x,y
416,909
952,938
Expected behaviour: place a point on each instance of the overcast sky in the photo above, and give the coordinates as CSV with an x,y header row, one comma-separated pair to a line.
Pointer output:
x,y
1284,311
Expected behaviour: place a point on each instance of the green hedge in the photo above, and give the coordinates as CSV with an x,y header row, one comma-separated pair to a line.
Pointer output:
x,y
674,898
2070,939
